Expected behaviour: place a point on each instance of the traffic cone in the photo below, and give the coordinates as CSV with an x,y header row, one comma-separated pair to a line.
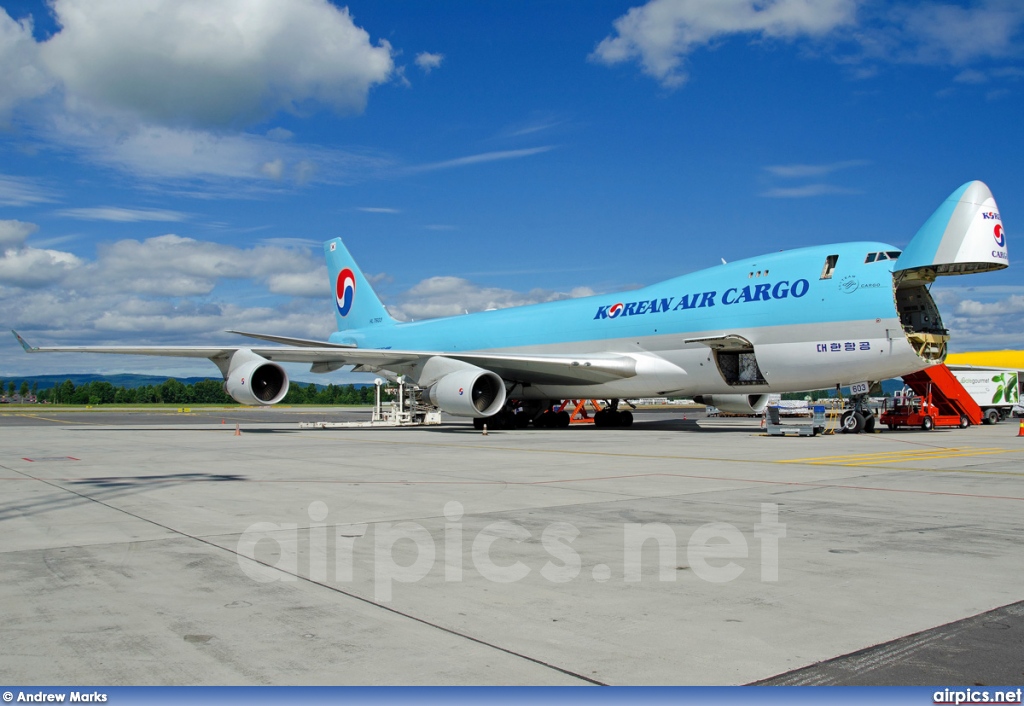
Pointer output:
x,y
1021,431
485,430
238,431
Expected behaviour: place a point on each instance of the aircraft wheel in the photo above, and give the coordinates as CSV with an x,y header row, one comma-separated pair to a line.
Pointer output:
x,y
543,421
928,424
601,418
626,418
852,422
869,424
522,420
991,416
478,423
562,420
964,422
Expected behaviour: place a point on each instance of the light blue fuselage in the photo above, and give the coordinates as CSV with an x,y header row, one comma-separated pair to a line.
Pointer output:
x,y
807,332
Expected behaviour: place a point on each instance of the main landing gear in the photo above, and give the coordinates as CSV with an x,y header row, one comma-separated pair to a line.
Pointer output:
x,y
550,415
612,416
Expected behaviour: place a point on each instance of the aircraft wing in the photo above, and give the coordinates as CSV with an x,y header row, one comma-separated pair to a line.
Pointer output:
x,y
541,369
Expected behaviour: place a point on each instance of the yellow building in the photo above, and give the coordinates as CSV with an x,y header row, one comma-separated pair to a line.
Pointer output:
x,y
1010,360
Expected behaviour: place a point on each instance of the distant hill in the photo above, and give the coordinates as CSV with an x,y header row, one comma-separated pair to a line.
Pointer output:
x,y
45,382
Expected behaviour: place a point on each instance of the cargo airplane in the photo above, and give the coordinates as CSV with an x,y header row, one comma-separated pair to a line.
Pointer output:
x,y
796,320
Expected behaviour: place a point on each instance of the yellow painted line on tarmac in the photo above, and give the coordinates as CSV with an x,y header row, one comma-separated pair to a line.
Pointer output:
x,y
915,452
51,419
898,456
820,460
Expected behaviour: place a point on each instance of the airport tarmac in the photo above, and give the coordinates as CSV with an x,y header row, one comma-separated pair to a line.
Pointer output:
x,y
161,548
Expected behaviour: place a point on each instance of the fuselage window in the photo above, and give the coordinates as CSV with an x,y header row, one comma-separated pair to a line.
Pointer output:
x,y
830,266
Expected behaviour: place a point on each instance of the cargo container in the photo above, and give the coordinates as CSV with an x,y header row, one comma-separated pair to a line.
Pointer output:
x,y
995,390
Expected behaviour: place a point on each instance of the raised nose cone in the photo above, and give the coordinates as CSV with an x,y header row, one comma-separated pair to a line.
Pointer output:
x,y
963,236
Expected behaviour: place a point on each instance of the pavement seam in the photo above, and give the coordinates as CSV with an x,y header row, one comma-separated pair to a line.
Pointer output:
x,y
334,589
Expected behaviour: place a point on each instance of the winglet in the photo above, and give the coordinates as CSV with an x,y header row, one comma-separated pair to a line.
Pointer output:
x,y
24,343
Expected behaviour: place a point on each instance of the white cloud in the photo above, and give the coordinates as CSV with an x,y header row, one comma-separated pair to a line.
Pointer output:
x,y
211,63
273,169
21,76
804,171
806,191
944,34
123,215
479,159
662,33
13,234
23,266
164,290
970,76
280,133
985,317
813,170
166,153
428,62
1010,305
305,170
173,265
15,191
377,209
162,90
539,124
301,284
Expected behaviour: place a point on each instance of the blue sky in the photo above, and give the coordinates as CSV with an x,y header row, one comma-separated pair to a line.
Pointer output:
x,y
168,169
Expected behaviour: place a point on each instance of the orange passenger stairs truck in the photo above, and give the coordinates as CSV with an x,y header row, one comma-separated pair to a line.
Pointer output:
x,y
939,401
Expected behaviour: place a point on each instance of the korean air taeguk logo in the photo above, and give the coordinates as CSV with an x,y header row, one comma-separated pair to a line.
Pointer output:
x,y
997,232
346,291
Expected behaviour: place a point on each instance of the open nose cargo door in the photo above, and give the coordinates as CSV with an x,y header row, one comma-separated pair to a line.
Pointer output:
x,y
964,236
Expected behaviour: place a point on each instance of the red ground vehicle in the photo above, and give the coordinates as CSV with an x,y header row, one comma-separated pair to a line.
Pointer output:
x,y
918,411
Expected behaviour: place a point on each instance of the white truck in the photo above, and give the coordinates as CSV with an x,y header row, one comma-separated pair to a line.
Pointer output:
x,y
996,391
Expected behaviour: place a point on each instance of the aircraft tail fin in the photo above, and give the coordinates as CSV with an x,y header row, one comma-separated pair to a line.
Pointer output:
x,y
356,304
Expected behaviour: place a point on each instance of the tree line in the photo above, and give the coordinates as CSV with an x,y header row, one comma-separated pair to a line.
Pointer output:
x,y
174,391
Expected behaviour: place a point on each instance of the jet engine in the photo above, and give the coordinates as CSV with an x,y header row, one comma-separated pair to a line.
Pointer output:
x,y
734,404
254,380
470,392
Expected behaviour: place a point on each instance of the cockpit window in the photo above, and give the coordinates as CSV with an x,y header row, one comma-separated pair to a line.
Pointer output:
x,y
882,256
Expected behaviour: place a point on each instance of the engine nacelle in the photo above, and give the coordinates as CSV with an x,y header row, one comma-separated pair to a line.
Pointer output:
x,y
473,392
735,404
254,380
